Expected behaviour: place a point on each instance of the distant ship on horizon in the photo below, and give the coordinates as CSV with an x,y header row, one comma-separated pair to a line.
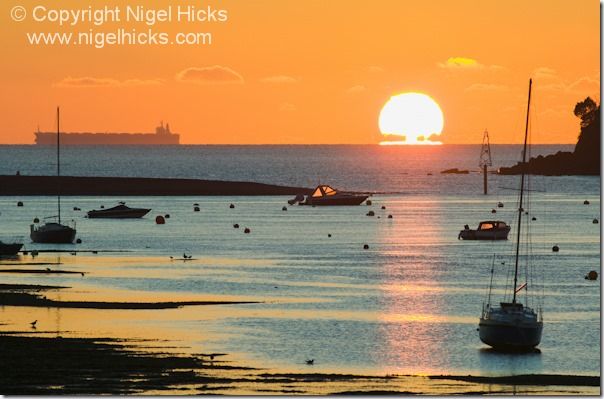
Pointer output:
x,y
162,136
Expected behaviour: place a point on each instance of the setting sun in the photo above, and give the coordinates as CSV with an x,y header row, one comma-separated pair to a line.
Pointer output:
x,y
415,118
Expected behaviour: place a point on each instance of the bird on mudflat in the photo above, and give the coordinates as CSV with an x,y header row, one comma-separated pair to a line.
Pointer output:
x,y
33,323
310,362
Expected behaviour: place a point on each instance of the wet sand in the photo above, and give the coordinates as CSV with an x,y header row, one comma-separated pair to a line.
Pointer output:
x,y
39,365
35,300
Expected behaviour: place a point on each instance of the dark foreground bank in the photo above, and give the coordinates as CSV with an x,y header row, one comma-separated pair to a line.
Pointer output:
x,y
133,186
39,365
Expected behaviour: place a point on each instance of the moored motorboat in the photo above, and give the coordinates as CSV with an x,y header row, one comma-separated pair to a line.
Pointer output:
x,y
326,195
120,211
487,230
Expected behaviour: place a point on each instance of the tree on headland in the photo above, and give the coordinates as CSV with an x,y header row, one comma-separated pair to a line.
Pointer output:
x,y
587,150
585,160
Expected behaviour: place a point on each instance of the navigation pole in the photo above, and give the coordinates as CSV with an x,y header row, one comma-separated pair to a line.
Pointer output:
x,y
485,159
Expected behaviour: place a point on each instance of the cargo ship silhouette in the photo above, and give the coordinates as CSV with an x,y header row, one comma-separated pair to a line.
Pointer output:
x,y
162,136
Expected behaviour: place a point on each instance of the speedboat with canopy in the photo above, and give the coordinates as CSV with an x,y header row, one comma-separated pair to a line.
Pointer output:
x,y
327,195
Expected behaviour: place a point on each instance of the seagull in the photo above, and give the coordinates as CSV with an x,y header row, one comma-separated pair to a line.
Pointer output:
x,y
33,324
310,362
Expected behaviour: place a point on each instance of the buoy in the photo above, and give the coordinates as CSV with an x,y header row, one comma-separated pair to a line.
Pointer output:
x,y
232,206
102,206
36,220
595,221
389,216
328,235
592,275
493,211
534,218
586,202
75,208
79,241
196,209
366,246
368,202
247,231
284,208
555,248
370,213
383,207
500,205
160,220
19,203
167,216
236,226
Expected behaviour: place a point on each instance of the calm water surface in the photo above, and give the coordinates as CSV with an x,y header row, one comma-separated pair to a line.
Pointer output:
x,y
409,304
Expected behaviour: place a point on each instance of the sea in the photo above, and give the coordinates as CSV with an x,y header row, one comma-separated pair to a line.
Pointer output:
x,y
409,304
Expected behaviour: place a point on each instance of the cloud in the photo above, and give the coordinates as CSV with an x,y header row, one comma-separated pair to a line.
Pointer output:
x,y
279,79
581,86
215,74
356,89
487,87
375,69
287,107
104,82
544,73
464,63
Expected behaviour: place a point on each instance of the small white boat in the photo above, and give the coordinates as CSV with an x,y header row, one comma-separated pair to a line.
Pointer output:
x,y
326,195
487,230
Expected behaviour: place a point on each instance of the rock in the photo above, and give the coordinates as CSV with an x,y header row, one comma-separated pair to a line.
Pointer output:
x,y
455,171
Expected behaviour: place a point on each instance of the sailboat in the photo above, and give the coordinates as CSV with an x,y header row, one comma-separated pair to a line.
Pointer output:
x,y
54,232
513,325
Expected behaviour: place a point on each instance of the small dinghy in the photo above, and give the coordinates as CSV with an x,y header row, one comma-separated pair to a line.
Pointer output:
x,y
10,249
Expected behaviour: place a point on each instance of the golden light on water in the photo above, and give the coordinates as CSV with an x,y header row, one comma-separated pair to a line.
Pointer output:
x,y
414,117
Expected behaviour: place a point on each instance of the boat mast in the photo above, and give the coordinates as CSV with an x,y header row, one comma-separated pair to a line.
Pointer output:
x,y
520,209
58,169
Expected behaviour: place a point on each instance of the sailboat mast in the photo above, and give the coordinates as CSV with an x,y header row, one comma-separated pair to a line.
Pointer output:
x,y
520,209
58,168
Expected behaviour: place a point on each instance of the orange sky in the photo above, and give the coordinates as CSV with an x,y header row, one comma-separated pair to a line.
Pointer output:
x,y
313,71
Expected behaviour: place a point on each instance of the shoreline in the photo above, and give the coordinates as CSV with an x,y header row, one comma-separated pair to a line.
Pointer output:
x,y
137,186
77,366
